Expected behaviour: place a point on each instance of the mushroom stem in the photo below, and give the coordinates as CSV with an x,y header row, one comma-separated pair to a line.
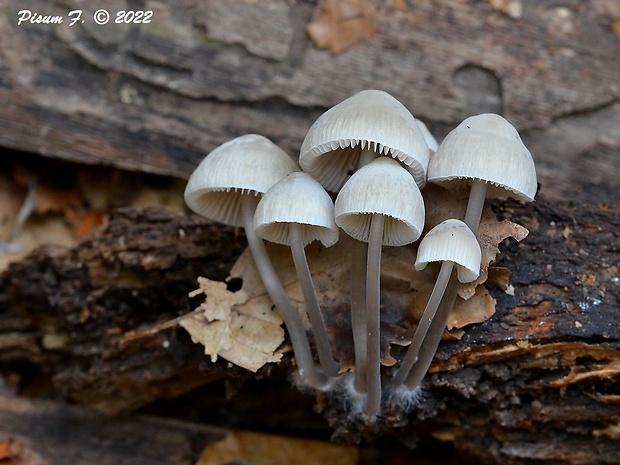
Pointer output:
x,y
359,256
431,342
294,325
422,333
474,204
323,346
373,343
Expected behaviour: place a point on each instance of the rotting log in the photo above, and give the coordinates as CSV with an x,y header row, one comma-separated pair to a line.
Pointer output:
x,y
537,382
36,431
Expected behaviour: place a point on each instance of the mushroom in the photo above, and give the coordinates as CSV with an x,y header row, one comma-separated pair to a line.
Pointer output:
x,y
453,244
295,212
226,187
345,138
352,133
380,204
486,152
428,137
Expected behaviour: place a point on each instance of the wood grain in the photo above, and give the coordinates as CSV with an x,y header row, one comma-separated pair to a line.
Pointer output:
x,y
157,97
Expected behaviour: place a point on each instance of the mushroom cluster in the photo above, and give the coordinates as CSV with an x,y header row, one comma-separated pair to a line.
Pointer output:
x,y
375,158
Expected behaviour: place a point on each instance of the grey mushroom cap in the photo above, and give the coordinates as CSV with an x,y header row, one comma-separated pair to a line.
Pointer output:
x,y
369,120
451,240
485,147
246,165
300,199
382,187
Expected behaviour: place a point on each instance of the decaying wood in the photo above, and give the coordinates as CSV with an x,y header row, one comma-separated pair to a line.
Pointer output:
x,y
70,309
545,367
39,432
155,97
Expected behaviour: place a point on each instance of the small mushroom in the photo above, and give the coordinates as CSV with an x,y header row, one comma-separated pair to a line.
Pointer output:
x,y
348,136
428,137
485,152
226,187
352,133
453,244
295,212
380,204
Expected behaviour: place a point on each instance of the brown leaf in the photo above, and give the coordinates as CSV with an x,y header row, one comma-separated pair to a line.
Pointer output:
x,y
342,24
268,449
398,5
246,335
13,452
499,276
51,198
480,307
84,222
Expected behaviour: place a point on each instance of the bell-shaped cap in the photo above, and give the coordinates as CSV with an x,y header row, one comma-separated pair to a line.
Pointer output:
x,y
451,241
382,187
428,137
300,199
246,165
488,148
369,120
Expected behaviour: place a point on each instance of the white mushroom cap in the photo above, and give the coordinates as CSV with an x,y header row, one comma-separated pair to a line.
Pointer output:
x,y
248,164
382,187
488,148
451,241
298,198
371,119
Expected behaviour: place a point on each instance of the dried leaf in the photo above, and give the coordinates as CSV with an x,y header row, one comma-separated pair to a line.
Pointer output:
x,y
267,449
513,8
490,234
11,199
480,307
499,276
51,198
13,452
83,222
398,5
246,335
342,24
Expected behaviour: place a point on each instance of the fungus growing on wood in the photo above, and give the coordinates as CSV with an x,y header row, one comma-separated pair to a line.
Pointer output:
x,y
380,204
295,212
453,244
226,187
486,153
